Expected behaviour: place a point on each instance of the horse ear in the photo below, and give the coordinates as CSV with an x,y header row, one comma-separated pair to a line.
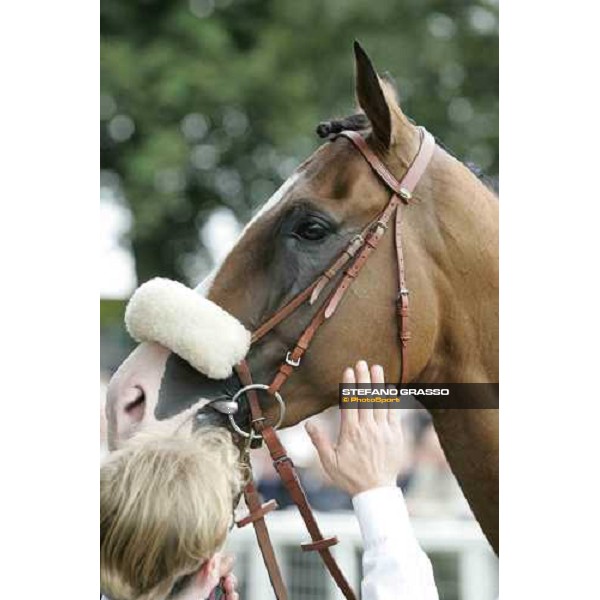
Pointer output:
x,y
372,97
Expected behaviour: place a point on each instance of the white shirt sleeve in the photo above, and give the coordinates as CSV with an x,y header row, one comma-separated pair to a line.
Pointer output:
x,y
394,565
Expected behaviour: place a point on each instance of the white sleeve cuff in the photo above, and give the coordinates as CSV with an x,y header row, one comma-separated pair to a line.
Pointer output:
x,y
394,565
381,514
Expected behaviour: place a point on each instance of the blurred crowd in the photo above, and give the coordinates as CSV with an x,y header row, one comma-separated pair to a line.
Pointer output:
x,y
428,484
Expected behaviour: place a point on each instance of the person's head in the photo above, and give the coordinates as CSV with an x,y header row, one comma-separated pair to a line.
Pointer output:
x,y
166,503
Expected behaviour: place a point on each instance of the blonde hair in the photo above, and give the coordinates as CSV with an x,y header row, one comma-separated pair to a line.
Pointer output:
x,y
166,502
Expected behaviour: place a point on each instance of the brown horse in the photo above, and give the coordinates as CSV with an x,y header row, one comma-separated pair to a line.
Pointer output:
x,y
450,241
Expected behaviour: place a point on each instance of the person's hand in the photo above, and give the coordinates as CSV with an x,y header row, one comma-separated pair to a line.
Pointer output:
x,y
368,452
216,569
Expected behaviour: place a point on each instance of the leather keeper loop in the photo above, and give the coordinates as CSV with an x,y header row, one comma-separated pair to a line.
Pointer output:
x,y
265,509
300,349
319,545
284,458
286,369
321,283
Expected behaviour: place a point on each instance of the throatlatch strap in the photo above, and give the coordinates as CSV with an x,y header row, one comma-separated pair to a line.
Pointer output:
x,y
401,299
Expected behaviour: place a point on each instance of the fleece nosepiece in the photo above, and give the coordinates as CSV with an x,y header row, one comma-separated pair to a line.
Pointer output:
x,y
198,330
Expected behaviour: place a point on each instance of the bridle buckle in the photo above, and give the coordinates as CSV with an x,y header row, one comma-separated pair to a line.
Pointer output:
x,y
405,194
357,240
290,361
379,225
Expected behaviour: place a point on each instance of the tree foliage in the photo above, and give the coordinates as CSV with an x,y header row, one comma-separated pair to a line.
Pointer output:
x,y
211,103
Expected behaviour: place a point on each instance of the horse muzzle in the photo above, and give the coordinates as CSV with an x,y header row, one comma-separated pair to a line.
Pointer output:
x,y
206,344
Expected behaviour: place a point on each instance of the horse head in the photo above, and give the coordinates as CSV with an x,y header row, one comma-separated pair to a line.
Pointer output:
x,y
450,242
449,236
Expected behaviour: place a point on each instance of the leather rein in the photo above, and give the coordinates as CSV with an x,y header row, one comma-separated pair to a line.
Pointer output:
x,y
349,264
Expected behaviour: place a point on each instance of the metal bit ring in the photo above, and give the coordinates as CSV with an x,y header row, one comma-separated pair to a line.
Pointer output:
x,y
256,386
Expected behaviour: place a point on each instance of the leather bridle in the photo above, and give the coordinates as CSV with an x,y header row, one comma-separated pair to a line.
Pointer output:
x,y
348,264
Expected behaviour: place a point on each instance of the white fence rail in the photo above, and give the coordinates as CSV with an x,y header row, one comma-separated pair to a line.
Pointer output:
x,y
464,566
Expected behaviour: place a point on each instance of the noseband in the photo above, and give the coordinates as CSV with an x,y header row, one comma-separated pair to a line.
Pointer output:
x,y
348,264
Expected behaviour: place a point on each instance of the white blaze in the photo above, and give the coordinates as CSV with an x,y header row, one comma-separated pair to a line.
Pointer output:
x,y
287,185
204,287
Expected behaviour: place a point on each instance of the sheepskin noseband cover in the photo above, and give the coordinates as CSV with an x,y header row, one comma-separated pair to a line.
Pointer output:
x,y
196,329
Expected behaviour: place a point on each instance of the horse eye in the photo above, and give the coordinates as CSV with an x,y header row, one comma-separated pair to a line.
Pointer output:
x,y
311,230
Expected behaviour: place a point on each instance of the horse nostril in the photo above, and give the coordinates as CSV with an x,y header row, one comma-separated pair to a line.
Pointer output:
x,y
134,409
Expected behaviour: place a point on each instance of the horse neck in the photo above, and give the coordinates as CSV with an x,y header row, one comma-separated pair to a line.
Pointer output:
x,y
469,438
457,246
457,256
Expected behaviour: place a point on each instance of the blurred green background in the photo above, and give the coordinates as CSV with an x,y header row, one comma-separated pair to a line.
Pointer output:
x,y
210,104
